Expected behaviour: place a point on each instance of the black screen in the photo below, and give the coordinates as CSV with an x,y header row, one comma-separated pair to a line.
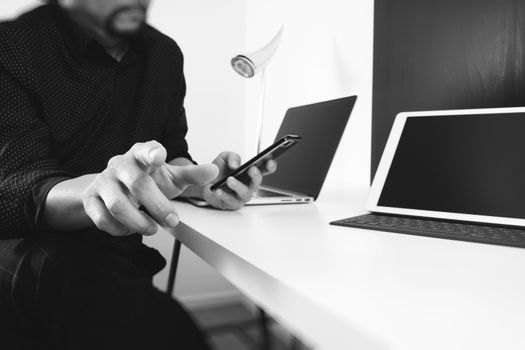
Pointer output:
x,y
461,164
321,125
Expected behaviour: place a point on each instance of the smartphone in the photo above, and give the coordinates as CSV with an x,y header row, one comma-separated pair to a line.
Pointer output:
x,y
241,173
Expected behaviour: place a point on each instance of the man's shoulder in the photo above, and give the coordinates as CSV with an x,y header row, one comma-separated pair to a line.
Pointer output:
x,y
16,35
162,41
26,24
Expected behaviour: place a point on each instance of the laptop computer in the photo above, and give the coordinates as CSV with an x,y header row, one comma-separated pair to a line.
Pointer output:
x,y
456,174
301,171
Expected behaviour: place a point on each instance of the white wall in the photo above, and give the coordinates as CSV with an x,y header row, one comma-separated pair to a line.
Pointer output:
x,y
326,52
11,8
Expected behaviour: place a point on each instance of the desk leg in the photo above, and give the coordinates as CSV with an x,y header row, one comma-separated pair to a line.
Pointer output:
x,y
265,334
295,344
173,267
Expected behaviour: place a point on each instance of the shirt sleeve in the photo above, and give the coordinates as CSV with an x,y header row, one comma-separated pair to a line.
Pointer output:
x,y
25,157
174,135
36,199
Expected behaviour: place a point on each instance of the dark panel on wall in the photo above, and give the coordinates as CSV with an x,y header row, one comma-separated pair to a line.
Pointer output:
x,y
445,54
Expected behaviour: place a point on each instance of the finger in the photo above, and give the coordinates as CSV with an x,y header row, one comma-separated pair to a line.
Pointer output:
x,y
233,160
148,154
270,167
102,218
256,178
123,209
242,191
148,194
184,176
228,200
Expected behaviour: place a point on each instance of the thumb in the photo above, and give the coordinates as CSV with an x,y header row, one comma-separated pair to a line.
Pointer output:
x,y
186,175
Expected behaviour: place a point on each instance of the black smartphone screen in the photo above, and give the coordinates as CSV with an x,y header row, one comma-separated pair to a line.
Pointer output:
x,y
272,152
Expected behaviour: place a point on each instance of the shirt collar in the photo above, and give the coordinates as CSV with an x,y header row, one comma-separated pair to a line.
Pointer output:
x,y
75,38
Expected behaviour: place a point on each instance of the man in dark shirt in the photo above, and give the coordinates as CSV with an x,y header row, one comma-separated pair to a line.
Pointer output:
x,y
92,127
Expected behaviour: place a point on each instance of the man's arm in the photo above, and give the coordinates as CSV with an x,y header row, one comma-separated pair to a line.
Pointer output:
x,y
111,199
64,209
25,157
63,206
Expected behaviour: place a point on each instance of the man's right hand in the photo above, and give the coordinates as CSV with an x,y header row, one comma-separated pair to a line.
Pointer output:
x,y
140,177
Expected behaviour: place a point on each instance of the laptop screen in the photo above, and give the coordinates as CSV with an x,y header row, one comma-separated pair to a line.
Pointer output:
x,y
467,164
321,125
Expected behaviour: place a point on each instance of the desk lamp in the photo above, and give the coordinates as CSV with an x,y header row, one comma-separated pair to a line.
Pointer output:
x,y
249,65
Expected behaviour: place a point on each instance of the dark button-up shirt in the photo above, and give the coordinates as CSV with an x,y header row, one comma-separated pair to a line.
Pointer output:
x,y
67,107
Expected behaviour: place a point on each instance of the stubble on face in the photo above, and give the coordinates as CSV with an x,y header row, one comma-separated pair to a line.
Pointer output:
x,y
126,21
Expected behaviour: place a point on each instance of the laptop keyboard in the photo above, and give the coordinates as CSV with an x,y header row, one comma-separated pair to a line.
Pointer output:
x,y
506,236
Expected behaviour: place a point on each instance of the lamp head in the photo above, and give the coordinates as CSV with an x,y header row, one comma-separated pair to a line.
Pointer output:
x,y
243,65
250,64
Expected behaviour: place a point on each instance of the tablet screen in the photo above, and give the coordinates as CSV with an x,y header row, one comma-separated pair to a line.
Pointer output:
x,y
466,164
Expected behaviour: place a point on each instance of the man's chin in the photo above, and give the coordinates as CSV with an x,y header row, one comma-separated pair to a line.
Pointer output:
x,y
125,33
126,22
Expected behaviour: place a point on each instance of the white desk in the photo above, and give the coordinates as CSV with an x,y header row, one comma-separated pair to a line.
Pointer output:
x,y
344,288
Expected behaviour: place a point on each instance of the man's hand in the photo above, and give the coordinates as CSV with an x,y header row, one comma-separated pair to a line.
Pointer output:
x,y
141,176
241,193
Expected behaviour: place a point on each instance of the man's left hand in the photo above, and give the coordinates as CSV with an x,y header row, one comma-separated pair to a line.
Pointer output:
x,y
240,193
